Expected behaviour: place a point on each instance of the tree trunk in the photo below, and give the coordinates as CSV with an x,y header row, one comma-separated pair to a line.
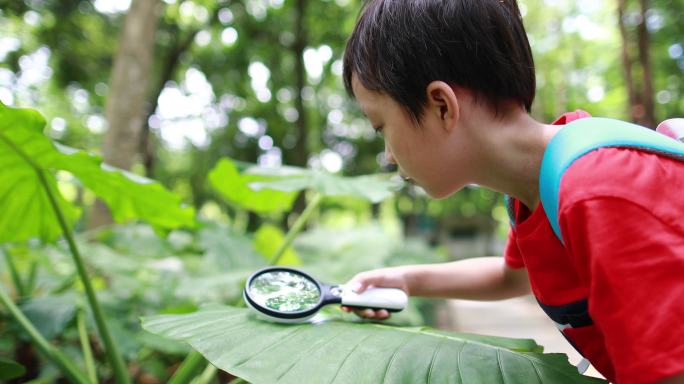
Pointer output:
x,y
299,155
168,72
301,150
640,92
627,62
648,118
125,108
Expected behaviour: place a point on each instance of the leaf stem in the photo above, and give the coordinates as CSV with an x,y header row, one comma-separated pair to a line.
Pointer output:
x,y
14,273
85,346
187,369
71,372
113,355
206,377
297,227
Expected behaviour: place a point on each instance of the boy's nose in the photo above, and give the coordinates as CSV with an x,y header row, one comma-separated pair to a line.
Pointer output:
x,y
388,155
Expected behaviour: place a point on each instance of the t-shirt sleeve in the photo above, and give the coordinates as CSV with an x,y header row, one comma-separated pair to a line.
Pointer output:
x,y
512,256
634,263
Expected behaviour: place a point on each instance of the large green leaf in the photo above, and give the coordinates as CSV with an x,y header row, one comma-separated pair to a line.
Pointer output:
x,y
26,210
50,314
233,186
373,188
10,369
263,189
345,352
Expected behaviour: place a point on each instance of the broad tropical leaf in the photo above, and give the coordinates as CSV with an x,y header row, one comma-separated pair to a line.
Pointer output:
x,y
10,369
50,314
373,188
345,352
233,186
26,211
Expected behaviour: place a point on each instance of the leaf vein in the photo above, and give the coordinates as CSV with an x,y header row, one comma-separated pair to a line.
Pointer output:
x,y
458,361
282,340
347,356
394,355
433,359
313,348
501,368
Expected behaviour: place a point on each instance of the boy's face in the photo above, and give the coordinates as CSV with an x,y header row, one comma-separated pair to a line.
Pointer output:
x,y
425,154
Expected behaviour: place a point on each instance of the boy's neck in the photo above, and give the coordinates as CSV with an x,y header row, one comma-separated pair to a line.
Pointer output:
x,y
511,155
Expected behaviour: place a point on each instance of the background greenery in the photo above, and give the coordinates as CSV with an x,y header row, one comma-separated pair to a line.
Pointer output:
x,y
259,81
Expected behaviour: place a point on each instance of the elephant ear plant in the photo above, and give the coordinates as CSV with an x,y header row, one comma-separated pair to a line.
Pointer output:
x,y
336,351
33,207
356,352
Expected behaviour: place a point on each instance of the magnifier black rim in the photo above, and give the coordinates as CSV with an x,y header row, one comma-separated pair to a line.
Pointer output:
x,y
284,315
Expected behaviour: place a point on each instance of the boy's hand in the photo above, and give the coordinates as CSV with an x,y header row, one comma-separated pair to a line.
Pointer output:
x,y
394,277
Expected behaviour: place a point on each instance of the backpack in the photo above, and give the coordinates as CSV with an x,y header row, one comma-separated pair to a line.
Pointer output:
x,y
581,136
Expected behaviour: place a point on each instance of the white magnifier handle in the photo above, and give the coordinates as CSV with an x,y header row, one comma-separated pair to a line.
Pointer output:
x,y
392,299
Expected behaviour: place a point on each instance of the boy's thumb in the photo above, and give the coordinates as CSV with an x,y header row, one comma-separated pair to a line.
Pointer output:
x,y
357,286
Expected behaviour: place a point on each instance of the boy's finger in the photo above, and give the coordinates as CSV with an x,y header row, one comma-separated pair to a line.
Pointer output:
x,y
382,314
367,313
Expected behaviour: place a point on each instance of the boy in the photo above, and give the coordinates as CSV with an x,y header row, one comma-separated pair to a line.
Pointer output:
x,y
450,84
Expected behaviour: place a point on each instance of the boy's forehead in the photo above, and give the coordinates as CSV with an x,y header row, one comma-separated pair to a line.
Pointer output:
x,y
366,98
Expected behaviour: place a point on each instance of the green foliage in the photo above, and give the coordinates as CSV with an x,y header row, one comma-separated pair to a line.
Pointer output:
x,y
347,352
268,238
24,152
10,369
137,273
234,187
50,314
373,188
29,156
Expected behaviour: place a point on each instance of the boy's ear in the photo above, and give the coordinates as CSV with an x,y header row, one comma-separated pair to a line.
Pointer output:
x,y
442,101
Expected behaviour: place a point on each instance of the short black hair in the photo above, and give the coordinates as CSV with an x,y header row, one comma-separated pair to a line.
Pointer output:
x,y
399,46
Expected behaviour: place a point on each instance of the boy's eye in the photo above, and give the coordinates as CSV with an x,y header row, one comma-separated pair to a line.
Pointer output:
x,y
378,129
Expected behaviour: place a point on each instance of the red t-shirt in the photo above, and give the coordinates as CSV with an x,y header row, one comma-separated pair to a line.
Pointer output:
x,y
622,217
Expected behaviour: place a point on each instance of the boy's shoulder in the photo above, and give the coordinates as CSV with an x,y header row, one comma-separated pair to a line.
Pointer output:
x,y
646,179
636,176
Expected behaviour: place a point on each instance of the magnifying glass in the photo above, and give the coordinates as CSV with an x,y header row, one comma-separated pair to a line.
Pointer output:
x,y
288,295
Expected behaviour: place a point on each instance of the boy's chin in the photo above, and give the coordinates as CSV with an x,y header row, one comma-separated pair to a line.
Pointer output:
x,y
441,193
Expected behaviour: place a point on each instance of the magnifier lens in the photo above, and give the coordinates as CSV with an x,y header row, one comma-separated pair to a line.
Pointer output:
x,y
284,291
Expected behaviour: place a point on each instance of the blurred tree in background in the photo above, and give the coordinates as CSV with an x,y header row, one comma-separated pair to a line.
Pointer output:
x,y
259,81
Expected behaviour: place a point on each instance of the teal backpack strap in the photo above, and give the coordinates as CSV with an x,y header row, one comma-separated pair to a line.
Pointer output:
x,y
584,135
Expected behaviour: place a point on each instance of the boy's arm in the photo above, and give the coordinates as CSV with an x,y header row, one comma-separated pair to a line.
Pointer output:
x,y
482,278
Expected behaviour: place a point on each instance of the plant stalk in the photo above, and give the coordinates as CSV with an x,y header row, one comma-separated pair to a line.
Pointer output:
x,y
113,355
207,376
31,280
14,273
188,368
85,346
66,366
297,227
